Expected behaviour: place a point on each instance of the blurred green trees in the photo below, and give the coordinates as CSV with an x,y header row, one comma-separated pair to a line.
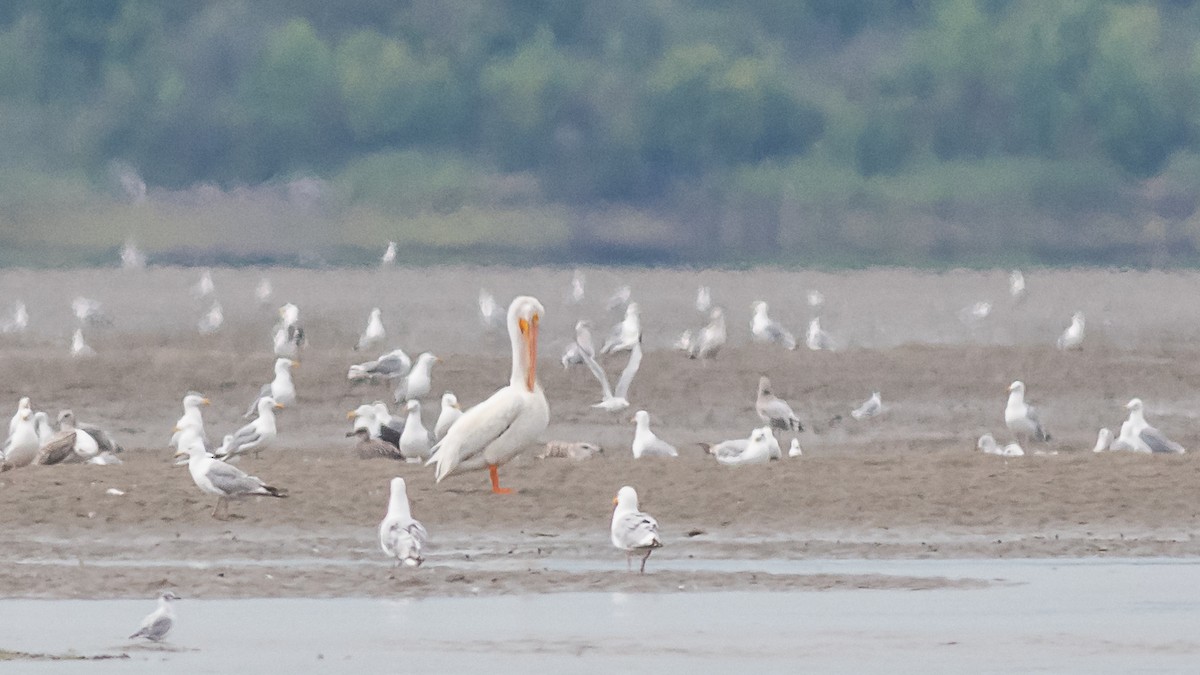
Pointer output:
x,y
855,130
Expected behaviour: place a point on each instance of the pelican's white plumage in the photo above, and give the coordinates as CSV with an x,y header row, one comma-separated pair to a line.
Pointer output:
x,y
633,531
400,536
645,443
765,329
374,333
1072,337
499,428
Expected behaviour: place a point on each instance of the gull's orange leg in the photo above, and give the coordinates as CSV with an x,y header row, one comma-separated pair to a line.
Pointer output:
x,y
492,469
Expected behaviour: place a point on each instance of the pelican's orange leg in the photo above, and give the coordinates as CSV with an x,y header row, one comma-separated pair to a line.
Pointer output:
x,y
492,469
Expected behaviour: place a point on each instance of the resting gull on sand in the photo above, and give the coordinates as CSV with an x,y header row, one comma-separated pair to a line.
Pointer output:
x,y
374,333
756,450
870,408
989,446
388,366
1139,436
373,448
1072,337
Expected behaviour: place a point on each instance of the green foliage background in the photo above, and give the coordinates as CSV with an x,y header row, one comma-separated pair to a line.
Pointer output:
x,y
836,132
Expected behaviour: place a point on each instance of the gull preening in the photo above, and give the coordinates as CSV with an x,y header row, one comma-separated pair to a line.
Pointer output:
x,y
79,348
645,443
987,443
766,329
870,408
1021,418
418,381
389,255
401,536
773,410
212,320
817,339
225,481
498,429
1072,337
281,388
625,334
388,366
632,531
448,415
158,623
1137,435
415,440
374,333
582,345
255,436
615,400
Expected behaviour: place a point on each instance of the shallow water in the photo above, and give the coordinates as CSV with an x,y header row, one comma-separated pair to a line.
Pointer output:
x,y
1080,615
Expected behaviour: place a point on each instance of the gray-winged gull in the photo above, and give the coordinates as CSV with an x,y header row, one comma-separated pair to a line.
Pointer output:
x,y
223,480
632,531
1020,418
400,535
158,623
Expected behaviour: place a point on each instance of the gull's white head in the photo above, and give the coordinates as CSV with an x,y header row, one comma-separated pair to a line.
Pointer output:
x,y
266,404
524,316
375,313
759,436
986,442
366,410
641,418
626,499
289,313
283,364
1017,386
449,400
760,307
413,407
1134,405
23,404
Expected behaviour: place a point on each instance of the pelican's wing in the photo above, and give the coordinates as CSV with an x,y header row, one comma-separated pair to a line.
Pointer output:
x,y
1157,442
598,372
631,368
476,429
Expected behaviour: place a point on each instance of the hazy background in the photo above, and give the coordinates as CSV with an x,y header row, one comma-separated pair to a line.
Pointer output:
x,y
826,132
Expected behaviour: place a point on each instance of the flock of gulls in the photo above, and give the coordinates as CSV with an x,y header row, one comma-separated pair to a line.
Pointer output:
x,y
491,433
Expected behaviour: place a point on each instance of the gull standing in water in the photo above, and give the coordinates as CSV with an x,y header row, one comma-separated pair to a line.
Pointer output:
x,y
625,334
79,348
257,435
449,414
281,388
645,443
389,255
400,536
774,410
223,480
610,400
817,339
765,329
374,333
870,408
1072,337
418,381
632,531
389,366
1141,437
498,429
1023,419
582,345
158,623
415,440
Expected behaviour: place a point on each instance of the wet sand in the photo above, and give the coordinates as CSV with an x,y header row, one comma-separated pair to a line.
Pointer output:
x,y
905,485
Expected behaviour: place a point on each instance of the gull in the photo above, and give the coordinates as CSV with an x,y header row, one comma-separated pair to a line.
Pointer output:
x,y
988,445
756,450
225,481
489,311
730,450
1103,441
263,291
645,443
1016,285
289,335
22,445
703,299
1072,337
158,623
685,342
815,298
131,257
389,255
45,433
212,320
19,320
795,449
1020,418
400,536
577,450
449,414
390,427
23,405
976,311
257,435
191,419
711,338
70,444
374,332
582,345
774,411
625,334
88,312
610,400
1142,437
618,298
633,531
79,348
577,284
418,381
372,448
765,329
416,440
498,429
389,366
281,388
817,339
104,440
204,287
870,408
378,423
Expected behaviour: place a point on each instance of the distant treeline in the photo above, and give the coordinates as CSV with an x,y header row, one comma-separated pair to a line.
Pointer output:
x,y
829,131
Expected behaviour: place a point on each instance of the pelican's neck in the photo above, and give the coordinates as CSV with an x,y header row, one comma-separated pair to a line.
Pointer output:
x,y
520,358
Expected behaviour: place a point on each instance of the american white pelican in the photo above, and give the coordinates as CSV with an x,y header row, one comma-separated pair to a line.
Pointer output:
x,y
418,381
281,388
401,536
616,400
374,332
645,442
773,410
633,531
1143,437
212,320
500,427
1072,337
257,435
765,329
449,414
1020,418
870,408
223,480
415,440
625,334
158,623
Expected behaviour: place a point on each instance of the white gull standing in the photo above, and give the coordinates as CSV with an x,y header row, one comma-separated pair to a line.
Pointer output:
x,y
645,443
212,320
766,329
158,623
1072,337
773,410
257,435
374,332
415,440
448,415
389,255
79,348
400,536
225,481
711,338
817,339
281,388
1021,418
419,380
191,419
632,531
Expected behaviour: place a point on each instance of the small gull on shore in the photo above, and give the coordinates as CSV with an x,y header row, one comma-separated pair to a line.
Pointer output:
x,y
158,623
632,531
645,443
400,535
